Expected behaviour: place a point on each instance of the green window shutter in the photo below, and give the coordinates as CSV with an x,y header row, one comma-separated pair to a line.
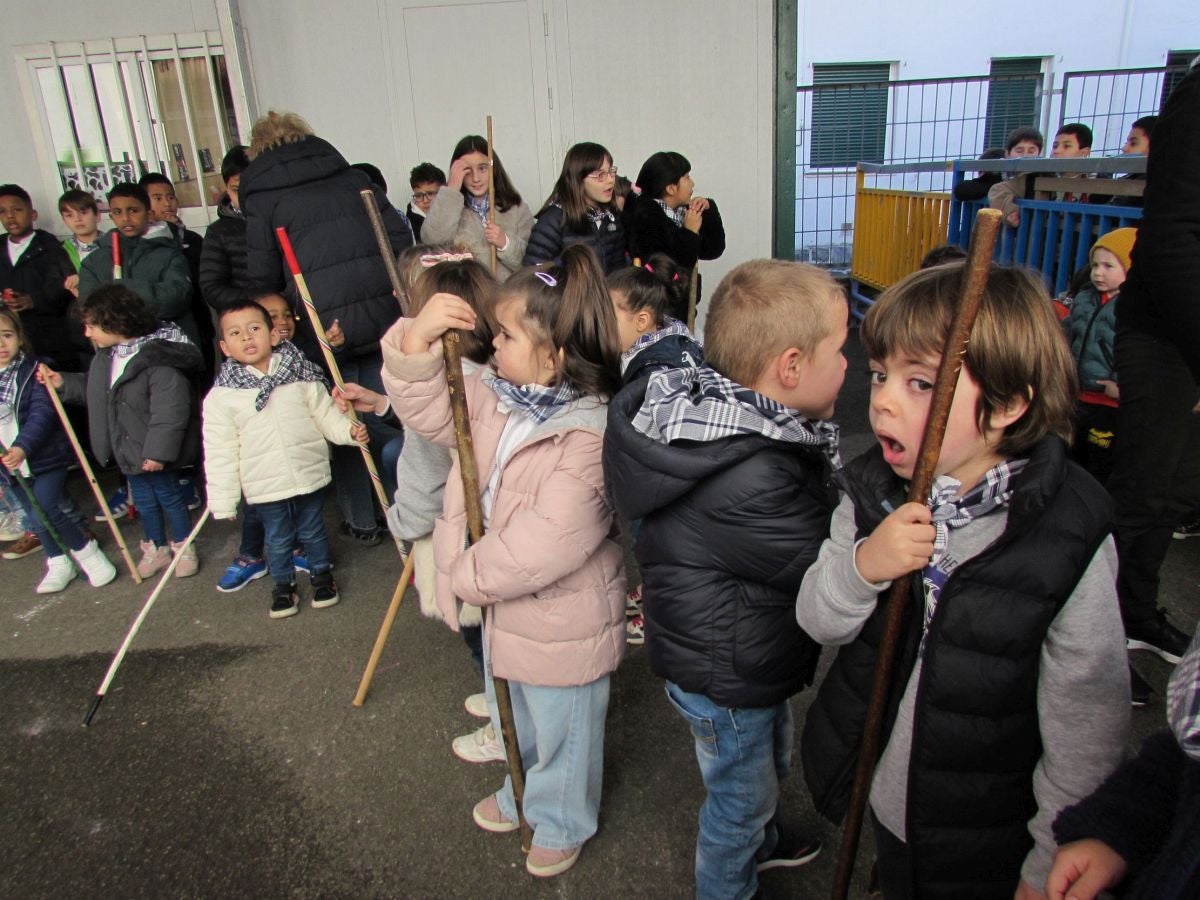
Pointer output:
x,y
1012,97
1177,63
849,114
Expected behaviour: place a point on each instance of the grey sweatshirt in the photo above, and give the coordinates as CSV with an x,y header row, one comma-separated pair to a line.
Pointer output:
x,y
1083,682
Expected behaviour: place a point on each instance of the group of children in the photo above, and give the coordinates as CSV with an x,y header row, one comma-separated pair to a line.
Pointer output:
x,y
592,406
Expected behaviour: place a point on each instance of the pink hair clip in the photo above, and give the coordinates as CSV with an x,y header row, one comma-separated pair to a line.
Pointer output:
x,y
546,278
647,268
429,260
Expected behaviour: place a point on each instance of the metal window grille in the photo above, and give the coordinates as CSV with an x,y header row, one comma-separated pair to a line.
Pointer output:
x,y
849,113
1178,60
1014,97
112,110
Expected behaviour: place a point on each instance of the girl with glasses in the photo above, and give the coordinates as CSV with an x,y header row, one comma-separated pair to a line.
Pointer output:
x,y
581,210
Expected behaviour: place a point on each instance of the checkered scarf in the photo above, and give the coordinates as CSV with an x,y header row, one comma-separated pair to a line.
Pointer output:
x,y
1183,700
293,367
951,511
167,331
700,404
479,206
8,380
538,402
675,215
670,327
598,217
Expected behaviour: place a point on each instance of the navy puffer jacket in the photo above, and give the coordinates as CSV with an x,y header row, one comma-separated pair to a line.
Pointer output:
x,y
41,434
551,235
308,188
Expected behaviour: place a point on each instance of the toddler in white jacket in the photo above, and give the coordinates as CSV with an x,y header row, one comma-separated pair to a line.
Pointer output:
x,y
266,422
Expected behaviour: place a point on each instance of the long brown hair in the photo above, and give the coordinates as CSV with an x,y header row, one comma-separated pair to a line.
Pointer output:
x,y
569,308
470,281
580,160
506,195
15,321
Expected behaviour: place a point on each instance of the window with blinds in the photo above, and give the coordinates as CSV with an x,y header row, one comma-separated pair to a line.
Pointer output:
x,y
1177,63
849,114
1014,95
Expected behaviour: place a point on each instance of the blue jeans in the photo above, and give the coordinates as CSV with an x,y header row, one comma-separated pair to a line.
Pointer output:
x,y
285,522
48,490
253,535
158,495
560,731
743,754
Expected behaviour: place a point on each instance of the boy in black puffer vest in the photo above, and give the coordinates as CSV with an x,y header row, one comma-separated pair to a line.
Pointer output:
x,y
1011,694
727,464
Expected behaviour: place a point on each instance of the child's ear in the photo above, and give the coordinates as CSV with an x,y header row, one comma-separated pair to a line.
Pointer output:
x,y
224,349
1011,411
643,321
33,216
789,367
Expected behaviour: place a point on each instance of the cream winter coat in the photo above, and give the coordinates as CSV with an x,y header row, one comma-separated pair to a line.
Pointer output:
x,y
549,568
270,455
450,221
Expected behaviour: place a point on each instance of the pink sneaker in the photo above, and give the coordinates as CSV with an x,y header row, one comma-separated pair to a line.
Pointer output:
x,y
154,559
545,863
487,816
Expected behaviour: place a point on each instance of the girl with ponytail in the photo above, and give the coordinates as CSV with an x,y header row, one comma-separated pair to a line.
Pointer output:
x,y
549,566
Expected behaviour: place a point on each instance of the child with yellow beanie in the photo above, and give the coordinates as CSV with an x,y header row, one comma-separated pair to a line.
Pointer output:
x,y
1091,329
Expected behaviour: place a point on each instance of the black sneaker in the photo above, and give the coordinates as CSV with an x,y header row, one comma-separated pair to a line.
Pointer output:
x,y
1159,636
1140,691
324,590
1187,530
791,851
284,601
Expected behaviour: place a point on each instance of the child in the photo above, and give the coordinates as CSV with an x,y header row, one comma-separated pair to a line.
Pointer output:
x,y
266,421
222,273
141,413
33,272
459,213
34,444
727,464
1010,698
425,180
549,568
249,565
1137,143
1091,328
151,264
1071,141
82,218
581,210
1142,826
666,218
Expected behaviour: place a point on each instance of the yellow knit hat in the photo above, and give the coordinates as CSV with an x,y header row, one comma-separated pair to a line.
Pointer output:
x,y
1118,242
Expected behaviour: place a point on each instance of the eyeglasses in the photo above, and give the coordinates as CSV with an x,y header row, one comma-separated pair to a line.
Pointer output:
x,y
424,195
603,174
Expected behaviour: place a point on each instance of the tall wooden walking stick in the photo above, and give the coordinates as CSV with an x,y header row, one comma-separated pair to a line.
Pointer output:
x,y
491,192
141,617
474,504
979,256
385,248
34,506
323,339
385,629
116,242
91,477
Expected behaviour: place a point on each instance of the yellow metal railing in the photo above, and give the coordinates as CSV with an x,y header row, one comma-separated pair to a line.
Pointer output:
x,y
893,230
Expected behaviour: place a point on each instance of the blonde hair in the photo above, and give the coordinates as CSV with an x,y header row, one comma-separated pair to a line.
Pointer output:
x,y
762,308
1017,348
277,128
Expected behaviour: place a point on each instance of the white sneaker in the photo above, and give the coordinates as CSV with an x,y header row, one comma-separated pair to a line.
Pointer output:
x,y
95,564
59,573
479,746
10,527
477,706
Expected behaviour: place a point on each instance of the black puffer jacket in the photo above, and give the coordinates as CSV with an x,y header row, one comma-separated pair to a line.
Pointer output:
x,y
40,272
728,530
309,189
551,236
649,231
223,278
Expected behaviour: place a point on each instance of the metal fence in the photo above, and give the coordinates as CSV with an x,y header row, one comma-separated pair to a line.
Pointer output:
x,y
937,119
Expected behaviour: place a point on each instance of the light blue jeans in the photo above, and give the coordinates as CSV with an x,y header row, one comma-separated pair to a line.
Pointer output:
x,y
560,731
743,754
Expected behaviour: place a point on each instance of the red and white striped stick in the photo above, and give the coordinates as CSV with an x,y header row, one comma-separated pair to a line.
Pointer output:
x,y
116,242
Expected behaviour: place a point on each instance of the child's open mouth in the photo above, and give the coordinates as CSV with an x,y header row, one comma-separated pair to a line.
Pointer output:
x,y
893,450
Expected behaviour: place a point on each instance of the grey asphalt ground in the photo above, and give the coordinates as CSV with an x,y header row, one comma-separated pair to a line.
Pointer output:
x,y
227,760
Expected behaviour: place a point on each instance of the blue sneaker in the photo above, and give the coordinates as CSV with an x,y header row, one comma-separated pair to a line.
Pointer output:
x,y
240,573
118,505
300,562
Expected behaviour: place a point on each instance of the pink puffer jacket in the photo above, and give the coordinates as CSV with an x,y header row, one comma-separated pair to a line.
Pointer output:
x,y
549,568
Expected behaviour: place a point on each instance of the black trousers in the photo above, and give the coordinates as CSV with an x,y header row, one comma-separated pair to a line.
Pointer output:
x,y
1155,482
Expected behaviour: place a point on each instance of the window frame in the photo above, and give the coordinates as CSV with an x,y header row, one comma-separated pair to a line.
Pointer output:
x,y
880,89
1011,79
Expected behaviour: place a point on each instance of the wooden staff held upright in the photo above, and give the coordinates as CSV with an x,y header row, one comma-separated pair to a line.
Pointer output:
x,y
979,260
491,192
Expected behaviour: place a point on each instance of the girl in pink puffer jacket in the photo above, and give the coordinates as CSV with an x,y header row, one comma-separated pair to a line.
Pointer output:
x,y
549,568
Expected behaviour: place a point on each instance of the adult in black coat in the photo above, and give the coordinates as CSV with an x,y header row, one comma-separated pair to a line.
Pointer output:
x,y
300,182
36,280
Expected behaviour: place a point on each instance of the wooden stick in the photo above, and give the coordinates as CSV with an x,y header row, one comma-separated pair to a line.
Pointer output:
x,y
91,477
386,629
323,339
979,258
385,249
491,192
474,504
141,617
34,506
693,299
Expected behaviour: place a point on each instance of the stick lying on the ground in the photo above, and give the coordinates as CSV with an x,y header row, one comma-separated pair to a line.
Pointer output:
x,y
141,617
384,630
979,260
91,477
323,339
474,504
